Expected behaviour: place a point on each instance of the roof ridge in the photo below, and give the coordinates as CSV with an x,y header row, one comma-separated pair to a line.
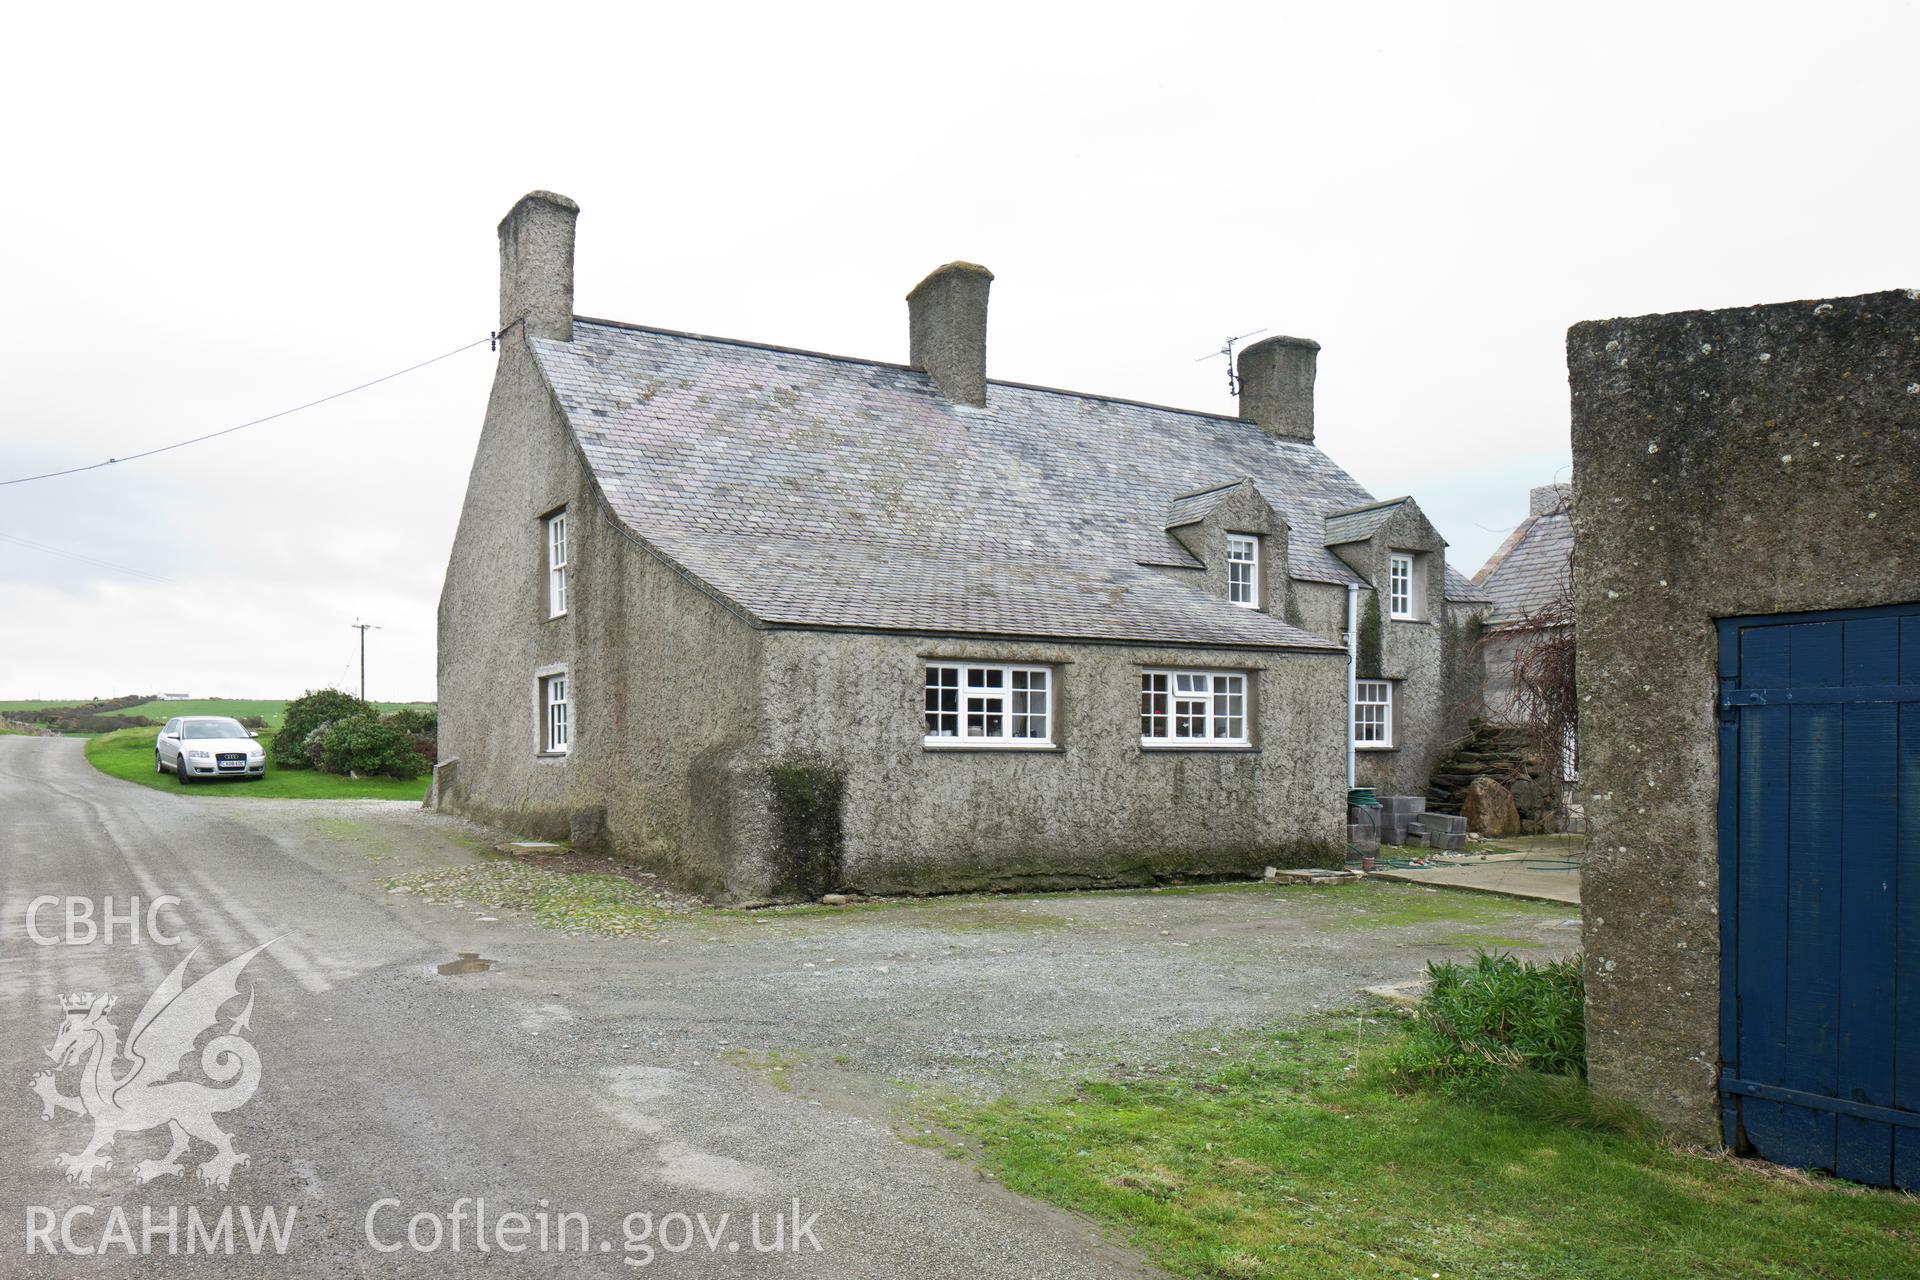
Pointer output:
x,y
1370,506
904,368
1212,488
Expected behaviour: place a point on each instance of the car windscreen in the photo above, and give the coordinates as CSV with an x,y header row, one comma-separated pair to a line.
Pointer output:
x,y
212,727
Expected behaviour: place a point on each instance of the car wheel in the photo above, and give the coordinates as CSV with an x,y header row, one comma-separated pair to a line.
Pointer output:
x,y
157,766
180,769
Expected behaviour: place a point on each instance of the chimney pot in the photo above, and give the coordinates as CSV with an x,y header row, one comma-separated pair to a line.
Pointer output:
x,y
536,266
947,330
1276,386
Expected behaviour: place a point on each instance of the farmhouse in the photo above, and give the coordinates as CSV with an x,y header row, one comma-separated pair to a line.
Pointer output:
x,y
777,623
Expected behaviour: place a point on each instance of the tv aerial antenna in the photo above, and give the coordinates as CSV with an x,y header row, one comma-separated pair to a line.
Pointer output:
x,y
1226,349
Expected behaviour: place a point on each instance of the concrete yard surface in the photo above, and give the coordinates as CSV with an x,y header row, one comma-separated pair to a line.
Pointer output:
x,y
1542,868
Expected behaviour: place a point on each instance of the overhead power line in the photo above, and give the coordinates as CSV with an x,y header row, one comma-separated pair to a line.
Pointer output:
x,y
75,555
227,431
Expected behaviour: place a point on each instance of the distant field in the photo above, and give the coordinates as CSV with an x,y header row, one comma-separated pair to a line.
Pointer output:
x,y
272,710
128,754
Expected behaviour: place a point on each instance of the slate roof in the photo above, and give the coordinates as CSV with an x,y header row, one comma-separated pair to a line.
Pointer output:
x,y
1359,523
1530,568
820,490
1192,508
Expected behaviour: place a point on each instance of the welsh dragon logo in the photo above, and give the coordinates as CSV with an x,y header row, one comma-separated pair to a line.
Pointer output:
x,y
145,1095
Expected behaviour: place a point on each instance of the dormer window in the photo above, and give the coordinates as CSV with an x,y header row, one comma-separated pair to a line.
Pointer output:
x,y
1243,570
1400,585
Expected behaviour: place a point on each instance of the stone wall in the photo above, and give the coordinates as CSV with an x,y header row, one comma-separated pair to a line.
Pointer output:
x,y
1749,461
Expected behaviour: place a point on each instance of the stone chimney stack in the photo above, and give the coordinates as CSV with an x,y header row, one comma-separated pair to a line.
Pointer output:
x,y
1549,498
947,331
536,266
1276,386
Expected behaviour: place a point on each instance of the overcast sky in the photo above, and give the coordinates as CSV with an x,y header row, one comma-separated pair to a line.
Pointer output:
x,y
217,217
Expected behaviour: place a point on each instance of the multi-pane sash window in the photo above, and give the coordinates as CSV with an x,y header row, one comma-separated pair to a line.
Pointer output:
x,y
556,564
1373,713
555,718
1243,570
1400,585
1192,707
968,704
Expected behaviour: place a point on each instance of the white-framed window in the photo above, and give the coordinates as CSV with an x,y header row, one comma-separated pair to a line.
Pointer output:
x,y
976,704
1400,585
1186,707
556,564
1243,570
1373,713
556,714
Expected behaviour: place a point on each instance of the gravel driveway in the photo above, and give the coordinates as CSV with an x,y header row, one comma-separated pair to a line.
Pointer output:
x,y
726,1063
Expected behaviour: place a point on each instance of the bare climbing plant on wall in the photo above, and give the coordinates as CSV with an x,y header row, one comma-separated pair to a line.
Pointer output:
x,y
1543,698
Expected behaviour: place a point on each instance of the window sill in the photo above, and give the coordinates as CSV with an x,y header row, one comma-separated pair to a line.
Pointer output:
x,y
555,617
1197,746
947,744
552,755
1374,746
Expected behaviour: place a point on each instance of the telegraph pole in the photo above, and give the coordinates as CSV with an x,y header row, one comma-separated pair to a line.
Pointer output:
x,y
362,628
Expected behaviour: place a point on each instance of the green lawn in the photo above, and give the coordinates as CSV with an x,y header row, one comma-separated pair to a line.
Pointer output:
x,y
128,753
1291,1155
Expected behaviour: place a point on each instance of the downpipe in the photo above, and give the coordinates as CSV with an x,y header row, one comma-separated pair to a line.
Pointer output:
x,y
1353,672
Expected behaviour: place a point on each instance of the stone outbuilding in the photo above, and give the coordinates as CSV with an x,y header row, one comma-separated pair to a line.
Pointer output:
x,y
1747,573
776,623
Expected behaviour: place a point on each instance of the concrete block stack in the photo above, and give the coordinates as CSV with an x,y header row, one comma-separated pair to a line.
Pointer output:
x,y
1440,831
1397,814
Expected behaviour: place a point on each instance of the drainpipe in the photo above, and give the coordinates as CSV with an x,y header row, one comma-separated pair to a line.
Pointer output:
x,y
1353,669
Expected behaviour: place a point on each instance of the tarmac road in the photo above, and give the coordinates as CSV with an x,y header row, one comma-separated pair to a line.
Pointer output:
x,y
385,1083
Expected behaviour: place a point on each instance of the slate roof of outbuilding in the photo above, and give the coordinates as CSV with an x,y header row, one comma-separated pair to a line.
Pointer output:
x,y
820,490
1530,568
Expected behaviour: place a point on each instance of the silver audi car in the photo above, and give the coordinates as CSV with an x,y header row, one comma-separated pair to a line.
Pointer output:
x,y
192,747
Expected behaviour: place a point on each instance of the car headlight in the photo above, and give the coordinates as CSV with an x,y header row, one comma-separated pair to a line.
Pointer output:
x,y
200,755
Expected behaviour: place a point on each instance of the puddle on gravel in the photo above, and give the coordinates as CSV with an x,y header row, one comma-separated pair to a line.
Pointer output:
x,y
469,962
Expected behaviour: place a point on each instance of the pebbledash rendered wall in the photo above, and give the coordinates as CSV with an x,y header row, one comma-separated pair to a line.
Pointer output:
x,y
1098,808
1748,461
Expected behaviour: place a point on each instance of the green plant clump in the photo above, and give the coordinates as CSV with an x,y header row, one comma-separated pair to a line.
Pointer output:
x,y
1484,1020
1372,639
305,714
367,747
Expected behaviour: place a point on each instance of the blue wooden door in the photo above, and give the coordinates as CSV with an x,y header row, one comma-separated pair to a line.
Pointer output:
x,y
1820,890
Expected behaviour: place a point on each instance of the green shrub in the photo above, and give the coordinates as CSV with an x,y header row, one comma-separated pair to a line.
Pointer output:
x,y
367,747
421,726
305,714
1499,1014
314,749
418,723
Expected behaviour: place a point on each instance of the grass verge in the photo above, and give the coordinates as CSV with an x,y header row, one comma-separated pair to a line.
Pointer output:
x,y
128,754
579,902
1294,1155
